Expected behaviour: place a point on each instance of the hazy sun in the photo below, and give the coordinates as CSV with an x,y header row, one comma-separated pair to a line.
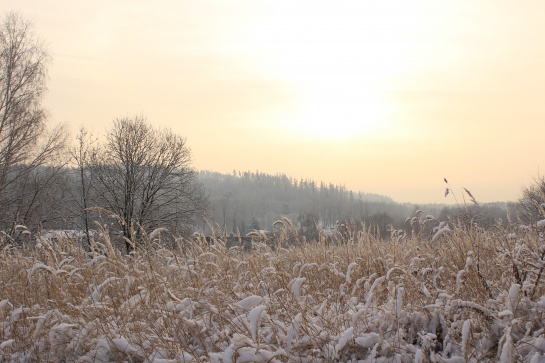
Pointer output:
x,y
339,57
341,114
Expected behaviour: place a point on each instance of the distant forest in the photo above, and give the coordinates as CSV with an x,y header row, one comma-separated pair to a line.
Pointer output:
x,y
244,201
237,203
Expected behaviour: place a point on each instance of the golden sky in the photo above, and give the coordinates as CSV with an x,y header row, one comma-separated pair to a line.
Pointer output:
x,y
382,96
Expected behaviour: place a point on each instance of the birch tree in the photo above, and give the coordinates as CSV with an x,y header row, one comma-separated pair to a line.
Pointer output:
x,y
25,144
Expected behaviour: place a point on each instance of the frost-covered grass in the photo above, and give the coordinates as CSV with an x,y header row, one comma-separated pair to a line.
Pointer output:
x,y
464,295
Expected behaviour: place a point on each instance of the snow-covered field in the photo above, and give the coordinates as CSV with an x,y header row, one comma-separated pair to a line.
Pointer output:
x,y
463,296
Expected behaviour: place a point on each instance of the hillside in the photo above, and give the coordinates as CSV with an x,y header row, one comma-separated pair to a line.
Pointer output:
x,y
244,201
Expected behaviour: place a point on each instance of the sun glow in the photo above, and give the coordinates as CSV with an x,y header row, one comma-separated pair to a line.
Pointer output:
x,y
340,58
339,114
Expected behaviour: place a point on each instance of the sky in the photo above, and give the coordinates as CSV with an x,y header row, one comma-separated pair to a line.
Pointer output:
x,y
384,97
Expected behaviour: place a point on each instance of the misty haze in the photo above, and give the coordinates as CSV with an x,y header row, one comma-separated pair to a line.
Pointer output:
x,y
272,181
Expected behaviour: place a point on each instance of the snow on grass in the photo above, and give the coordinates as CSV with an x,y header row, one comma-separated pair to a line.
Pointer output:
x,y
469,296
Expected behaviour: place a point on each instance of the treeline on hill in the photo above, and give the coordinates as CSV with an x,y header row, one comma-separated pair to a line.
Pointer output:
x,y
70,198
244,201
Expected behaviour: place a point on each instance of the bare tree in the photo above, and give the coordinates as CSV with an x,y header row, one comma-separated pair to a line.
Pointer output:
x,y
78,184
24,143
144,176
531,206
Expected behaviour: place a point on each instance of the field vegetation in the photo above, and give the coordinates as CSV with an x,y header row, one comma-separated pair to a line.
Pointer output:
x,y
458,294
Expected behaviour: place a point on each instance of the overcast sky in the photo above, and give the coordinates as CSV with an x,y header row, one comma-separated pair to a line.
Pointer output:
x,y
383,96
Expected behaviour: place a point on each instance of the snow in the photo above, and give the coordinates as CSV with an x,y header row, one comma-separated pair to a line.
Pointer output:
x,y
249,302
124,346
39,266
507,348
536,358
349,271
425,290
399,301
251,354
292,331
405,303
439,231
368,340
346,336
253,318
419,357
514,297
95,296
7,344
3,303
156,232
466,332
296,286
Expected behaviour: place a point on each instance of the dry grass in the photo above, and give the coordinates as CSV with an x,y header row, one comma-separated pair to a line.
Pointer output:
x,y
469,295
